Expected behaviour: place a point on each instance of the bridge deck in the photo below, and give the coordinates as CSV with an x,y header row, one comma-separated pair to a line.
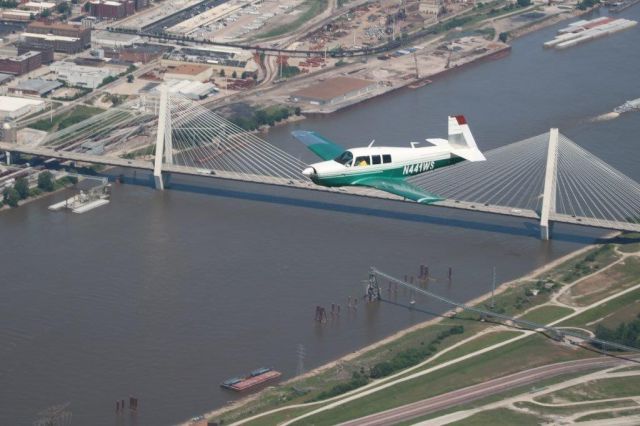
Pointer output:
x,y
306,184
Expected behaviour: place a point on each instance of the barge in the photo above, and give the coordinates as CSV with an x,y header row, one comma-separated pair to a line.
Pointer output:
x,y
255,378
581,31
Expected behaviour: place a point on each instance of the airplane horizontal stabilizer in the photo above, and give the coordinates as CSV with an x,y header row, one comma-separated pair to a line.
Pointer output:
x,y
400,187
319,145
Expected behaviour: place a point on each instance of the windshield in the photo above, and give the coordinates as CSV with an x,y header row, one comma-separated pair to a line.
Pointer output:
x,y
345,158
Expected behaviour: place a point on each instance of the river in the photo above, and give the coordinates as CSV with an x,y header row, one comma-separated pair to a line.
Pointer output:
x,y
162,295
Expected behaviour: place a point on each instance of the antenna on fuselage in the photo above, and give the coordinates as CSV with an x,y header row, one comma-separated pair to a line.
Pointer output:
x,y
413,144
371,143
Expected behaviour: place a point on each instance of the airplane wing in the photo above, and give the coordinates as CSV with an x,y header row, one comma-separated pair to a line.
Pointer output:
x,y
320,146
400,187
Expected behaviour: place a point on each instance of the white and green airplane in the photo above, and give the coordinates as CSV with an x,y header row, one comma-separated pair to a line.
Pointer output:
x,y
385,168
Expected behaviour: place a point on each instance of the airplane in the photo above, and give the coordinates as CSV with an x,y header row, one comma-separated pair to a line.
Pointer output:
x,y
385,168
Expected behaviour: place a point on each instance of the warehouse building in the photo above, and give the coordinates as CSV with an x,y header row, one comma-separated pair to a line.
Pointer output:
x,y
35,87
16,15
21,64
46,51
62,37
81,76
110,9
333,91
12,108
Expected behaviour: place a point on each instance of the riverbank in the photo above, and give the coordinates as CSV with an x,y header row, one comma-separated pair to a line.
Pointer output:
x,y
471,47
295,382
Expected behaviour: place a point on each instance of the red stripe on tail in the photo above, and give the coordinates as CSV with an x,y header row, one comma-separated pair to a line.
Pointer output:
x,y
461,120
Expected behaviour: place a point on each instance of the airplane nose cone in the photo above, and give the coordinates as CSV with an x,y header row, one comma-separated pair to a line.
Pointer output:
x,y
309,171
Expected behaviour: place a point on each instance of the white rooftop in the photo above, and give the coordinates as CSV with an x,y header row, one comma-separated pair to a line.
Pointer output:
x,y
49,37
11,104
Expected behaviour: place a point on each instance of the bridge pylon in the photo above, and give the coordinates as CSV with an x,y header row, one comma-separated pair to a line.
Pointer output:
x,y
550,182
164,143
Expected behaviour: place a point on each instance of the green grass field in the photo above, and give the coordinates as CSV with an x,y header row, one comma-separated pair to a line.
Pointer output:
x,y
616,387
546,314
585,264
477,344
627,303
609,415
629,243
500,417
623,275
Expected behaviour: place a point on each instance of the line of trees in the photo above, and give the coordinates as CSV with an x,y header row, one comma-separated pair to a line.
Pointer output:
x,y
20,190
261,117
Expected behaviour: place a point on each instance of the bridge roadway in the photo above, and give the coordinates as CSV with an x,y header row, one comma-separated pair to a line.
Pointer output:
x,y
306,184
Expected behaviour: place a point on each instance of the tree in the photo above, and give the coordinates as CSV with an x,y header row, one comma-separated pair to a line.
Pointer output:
x,y
234,75
63,8
523,3
221,73
130,78
45,181
503,37
22,187
11,197
46,13
297,110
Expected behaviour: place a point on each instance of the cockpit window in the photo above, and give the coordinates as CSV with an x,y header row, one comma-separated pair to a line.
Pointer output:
x,y
345,158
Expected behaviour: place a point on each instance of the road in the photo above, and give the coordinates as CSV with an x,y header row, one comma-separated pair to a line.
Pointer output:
x,y
481,390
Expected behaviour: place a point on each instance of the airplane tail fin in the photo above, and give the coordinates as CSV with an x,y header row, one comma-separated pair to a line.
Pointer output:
x,y
461,140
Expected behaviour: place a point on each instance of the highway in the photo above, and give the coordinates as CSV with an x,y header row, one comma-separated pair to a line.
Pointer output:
x,y
471,393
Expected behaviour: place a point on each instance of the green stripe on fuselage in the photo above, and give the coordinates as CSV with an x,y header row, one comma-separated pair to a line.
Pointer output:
x,y
352,178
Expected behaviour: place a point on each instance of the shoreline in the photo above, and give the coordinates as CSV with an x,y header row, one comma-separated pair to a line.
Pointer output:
x,y
489,56
401,333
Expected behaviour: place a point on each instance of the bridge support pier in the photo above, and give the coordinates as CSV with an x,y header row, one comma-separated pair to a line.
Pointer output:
x,y
7,156
164,145
549,194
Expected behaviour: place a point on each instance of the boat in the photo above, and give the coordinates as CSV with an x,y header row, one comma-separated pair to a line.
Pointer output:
x,y
255,378
633,105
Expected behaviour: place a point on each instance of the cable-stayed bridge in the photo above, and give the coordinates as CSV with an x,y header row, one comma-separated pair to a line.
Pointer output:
x,y
547,178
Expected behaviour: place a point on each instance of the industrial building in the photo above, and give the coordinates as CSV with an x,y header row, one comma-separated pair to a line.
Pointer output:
x,y
12,108
62,37
46,51
16,15
81,76
191,89
109,39
111,9
333,90
37,6
21,64
35,87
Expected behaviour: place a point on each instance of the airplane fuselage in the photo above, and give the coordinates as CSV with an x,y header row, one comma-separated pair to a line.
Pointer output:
x,y
380,162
